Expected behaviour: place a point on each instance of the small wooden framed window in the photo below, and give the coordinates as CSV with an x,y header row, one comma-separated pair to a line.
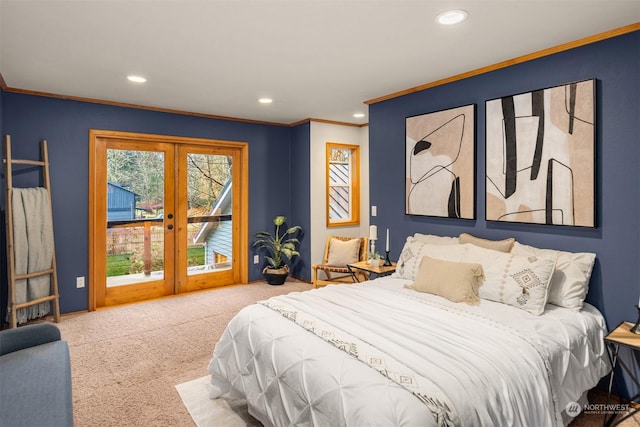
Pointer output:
x,y
343,184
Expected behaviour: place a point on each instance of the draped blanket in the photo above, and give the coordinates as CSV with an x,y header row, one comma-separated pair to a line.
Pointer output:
x,y
33,248
399,357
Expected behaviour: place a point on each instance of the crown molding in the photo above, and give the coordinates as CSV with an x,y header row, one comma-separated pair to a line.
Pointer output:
x,y
331,122
139,107
520,59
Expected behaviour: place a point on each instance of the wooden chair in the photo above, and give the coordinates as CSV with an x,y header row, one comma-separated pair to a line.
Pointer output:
x,y
338,273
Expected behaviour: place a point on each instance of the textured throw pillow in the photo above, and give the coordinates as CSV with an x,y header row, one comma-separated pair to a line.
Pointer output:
x,y
518,280
343,252
496,245
413,251
570,280
435,240
455,281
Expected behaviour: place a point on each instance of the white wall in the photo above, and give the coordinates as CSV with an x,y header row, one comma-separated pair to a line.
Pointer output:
x,y
321,133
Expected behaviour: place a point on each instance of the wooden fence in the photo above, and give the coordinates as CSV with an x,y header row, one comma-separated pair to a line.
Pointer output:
x,y
131,239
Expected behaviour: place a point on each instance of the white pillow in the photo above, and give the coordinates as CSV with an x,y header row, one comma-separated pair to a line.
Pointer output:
x,y
570,280
436,240
342,252
518,280
413,251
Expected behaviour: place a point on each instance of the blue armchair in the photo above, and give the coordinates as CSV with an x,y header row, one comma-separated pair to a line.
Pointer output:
x,y
35,377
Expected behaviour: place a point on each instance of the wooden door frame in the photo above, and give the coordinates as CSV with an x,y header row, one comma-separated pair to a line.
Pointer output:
x,y
186,282
240,195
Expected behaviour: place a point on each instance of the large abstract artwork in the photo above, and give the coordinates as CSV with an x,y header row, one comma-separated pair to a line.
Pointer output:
x,y
540,156
440,163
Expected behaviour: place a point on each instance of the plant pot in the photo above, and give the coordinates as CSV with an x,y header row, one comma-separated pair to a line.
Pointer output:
x,y
375,262
276,276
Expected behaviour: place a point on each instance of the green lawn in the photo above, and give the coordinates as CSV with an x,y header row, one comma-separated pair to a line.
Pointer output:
x,y
118,265
195,256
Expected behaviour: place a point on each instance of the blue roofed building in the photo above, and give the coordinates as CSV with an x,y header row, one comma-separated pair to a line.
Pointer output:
x,y
216,236
121,202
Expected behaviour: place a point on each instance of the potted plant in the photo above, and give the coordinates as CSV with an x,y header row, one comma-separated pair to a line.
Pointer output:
x,y
280,248
374,259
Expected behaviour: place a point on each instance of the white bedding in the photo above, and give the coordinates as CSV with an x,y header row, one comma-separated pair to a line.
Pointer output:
x,y
397,357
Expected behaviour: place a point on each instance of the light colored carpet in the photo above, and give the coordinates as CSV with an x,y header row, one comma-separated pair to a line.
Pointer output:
x,y
213,413
126,361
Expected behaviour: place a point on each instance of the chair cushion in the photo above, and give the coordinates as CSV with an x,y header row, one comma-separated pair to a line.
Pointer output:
x,y
342,252
36,386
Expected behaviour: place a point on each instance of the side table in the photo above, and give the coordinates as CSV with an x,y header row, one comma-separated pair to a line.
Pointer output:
x,y
621,336
362,266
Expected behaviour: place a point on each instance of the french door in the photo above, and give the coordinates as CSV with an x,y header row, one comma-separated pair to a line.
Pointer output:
x,y
167,215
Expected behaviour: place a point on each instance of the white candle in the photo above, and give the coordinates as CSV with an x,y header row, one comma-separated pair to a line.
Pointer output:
x,y
387,247
373,232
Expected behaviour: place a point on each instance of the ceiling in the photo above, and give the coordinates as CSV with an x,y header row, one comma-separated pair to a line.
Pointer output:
x,y
315,58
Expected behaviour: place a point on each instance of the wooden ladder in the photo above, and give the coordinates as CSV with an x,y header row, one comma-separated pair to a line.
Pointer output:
x,y
13,306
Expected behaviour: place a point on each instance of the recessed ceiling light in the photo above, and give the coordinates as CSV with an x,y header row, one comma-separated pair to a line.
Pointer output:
x,y
265,100
358,115
136,79
451,17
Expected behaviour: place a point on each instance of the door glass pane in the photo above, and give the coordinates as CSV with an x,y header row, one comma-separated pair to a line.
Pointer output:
x,y
209,208
135,209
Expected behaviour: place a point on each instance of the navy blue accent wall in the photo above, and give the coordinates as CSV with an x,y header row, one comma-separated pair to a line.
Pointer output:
x,y
300,195
615,64
65,125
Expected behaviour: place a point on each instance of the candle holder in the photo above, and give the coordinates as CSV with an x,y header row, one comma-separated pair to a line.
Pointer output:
x,y
387,262
636,328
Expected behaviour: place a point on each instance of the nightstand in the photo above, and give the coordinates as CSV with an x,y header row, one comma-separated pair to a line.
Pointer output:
x,y
621,336
362,266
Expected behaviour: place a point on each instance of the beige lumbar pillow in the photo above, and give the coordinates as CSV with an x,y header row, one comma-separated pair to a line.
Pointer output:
x,y
496,245
455,281
343,252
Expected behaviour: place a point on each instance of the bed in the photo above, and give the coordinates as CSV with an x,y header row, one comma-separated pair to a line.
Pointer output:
x,y
386,353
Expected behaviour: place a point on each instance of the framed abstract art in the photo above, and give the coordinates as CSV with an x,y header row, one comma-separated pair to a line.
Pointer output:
x,y
440,163
540,156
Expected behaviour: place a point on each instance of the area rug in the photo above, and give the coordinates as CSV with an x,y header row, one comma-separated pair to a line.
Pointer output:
x,y
217,412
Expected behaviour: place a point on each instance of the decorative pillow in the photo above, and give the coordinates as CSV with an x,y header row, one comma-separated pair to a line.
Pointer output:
x,y
436,240
497,245
455,281
570,280
518,280
343,252
413,251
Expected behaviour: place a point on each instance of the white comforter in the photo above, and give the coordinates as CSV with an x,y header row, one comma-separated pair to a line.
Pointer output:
x,y
403,358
